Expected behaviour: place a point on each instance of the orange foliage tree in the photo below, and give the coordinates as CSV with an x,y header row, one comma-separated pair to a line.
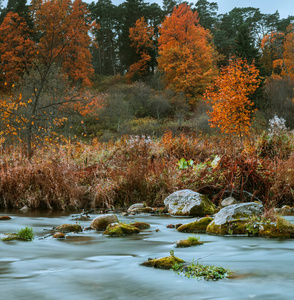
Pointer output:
x,y
232,109
59,62
16,49
141,36
186,53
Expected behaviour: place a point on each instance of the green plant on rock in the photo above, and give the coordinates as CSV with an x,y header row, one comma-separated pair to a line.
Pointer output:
x,y
200,271
26,234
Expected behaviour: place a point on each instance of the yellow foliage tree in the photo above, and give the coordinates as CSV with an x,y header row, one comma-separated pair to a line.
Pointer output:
x,y
231,108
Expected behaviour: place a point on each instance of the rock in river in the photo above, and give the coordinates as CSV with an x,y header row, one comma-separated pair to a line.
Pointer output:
x,y
233,218
101,222
4,218
198,226
69,228
188,203
120,229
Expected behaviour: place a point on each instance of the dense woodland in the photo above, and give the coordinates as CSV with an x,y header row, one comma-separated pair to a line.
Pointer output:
x,y
105,105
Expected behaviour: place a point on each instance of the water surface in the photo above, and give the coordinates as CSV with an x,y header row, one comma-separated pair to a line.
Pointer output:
x,y
89,265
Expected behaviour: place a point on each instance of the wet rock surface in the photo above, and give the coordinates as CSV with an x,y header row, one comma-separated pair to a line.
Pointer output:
x,y
188,203
101,222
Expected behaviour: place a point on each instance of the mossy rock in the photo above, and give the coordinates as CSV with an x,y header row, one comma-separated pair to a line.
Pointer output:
x,y
281,229
69,228
188,203
140,225
163,263
120,229
199,226
10,237
234,227
189,242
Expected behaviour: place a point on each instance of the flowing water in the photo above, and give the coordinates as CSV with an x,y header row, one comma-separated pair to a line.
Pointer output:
x,y
89,265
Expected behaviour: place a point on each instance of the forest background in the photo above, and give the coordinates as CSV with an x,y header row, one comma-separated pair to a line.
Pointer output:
x,y
81,84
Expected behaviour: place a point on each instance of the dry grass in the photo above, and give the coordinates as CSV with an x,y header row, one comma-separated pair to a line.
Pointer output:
x,y
102,175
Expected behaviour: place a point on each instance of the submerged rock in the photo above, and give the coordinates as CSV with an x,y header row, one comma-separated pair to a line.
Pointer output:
x,y
234,218
198,226
100,223
69,228
163,263
120,229
4,218
140,225
188,203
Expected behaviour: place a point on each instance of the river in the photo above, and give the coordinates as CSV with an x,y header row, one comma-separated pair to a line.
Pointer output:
x,y
89,265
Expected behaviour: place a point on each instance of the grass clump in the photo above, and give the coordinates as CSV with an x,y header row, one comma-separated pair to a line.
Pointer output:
x,y
201,271
24,234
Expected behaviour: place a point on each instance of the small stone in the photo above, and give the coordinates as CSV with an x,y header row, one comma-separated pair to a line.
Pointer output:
x,y
228,201
69,228
4,218
59,235
163,263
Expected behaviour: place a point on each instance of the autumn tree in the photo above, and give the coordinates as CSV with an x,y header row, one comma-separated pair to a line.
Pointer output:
x,y
59,65
17,49
186,54
229,96
141,36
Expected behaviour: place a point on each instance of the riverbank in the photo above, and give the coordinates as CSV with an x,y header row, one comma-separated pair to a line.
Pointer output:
x,y
75,176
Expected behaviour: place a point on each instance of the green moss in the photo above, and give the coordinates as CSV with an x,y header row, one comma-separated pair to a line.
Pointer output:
x,y
163,263
10,237
205,208
69,228
235,227
281,229
189,242
196,227
120,229
140,225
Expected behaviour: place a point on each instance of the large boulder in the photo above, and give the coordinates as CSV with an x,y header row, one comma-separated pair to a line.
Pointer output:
x,y
234,218
198,226
100,223
188,203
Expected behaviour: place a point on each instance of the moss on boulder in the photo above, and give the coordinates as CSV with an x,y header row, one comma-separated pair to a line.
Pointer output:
x,y
69,228
198,226
163,263
280,229
189,242
234,219
120,229
140,225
